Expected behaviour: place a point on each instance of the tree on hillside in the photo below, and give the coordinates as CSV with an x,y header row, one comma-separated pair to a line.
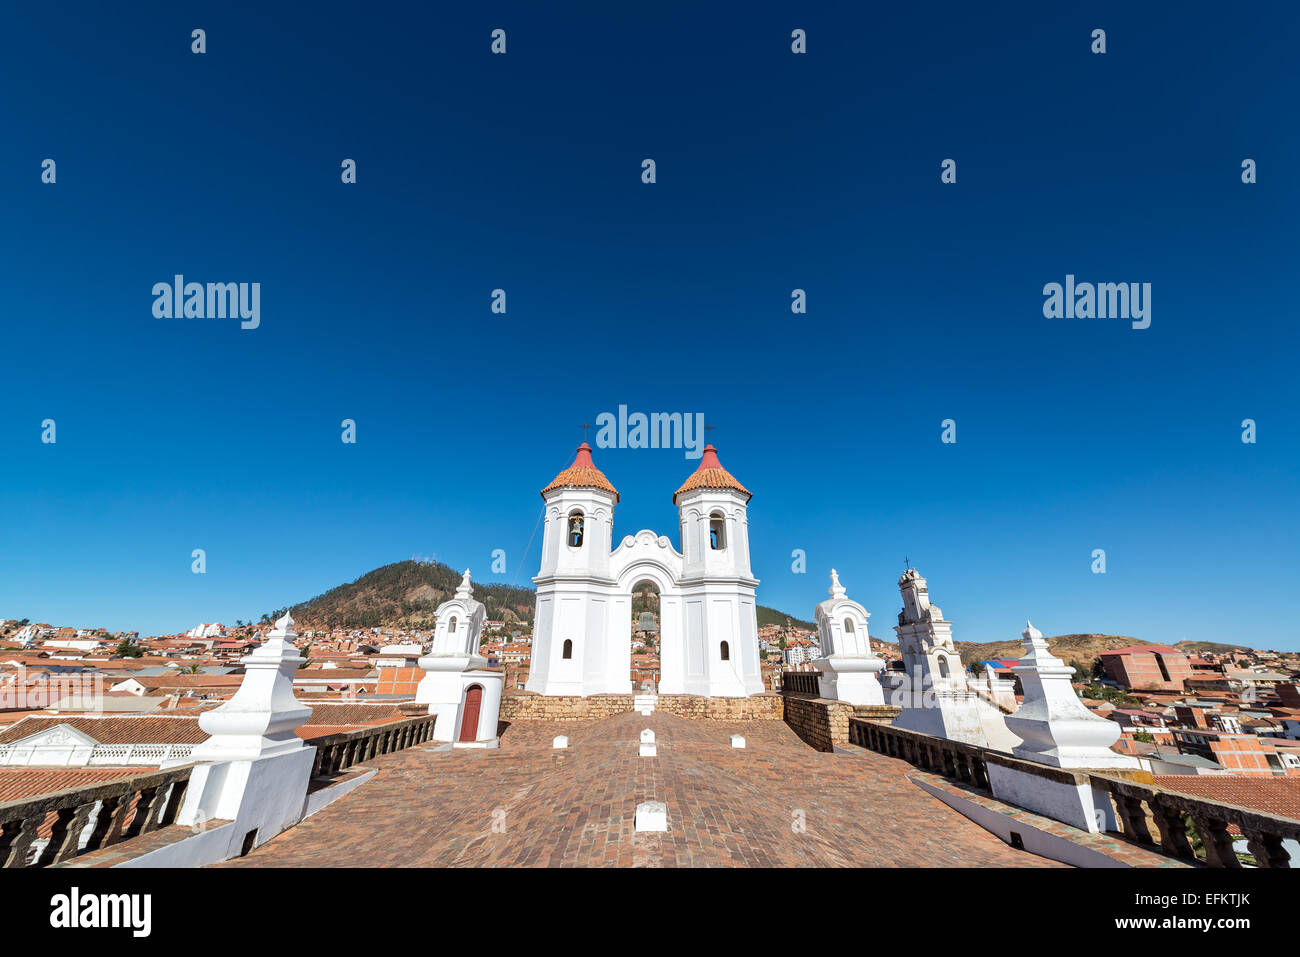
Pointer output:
x,y
127,650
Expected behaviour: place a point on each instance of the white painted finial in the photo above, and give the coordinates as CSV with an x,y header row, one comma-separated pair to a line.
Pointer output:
x,y
464,589
1031,633
283,627
837,590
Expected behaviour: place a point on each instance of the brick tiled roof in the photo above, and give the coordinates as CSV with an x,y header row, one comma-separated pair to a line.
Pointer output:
x,y
354,715
332,674
720,804
156,682
711,474
326,718
114,729
399,680
17,784
1279,796
582,474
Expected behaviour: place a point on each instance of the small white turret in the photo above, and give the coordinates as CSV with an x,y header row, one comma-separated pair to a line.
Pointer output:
x,y
848,667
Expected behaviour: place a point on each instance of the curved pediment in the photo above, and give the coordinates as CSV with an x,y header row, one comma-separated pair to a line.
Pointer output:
x,y
833,608
466,607
646,541
648,550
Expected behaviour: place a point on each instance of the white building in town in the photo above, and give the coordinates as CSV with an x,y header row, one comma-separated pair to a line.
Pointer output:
x,y
205,630
708,639
98,740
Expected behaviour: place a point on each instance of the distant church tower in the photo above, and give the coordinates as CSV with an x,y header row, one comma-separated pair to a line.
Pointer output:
x,y
717,584
925,638
934,694
569,651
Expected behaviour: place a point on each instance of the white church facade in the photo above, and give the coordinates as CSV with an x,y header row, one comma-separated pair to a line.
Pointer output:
x,y
708,639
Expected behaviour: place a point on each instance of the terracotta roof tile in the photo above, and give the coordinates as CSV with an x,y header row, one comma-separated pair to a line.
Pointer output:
x,y
711,474
114,729
17,784
156,682
582,474
399,680
1279,796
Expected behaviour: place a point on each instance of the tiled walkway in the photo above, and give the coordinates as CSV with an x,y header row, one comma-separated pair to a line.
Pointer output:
x,y
726,807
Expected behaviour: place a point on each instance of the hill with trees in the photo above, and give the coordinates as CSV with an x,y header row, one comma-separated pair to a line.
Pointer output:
x,y
406,594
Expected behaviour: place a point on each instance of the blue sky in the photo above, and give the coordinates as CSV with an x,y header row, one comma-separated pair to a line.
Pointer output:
x,y
775,172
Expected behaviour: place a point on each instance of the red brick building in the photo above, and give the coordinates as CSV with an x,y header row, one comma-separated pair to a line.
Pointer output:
x,y
1147,667
1237,753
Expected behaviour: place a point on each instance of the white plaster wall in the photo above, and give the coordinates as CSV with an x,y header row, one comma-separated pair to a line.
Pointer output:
x,y
1075,804
1042,843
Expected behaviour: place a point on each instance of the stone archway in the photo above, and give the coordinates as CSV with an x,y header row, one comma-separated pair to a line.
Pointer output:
x,y
645,636
670,638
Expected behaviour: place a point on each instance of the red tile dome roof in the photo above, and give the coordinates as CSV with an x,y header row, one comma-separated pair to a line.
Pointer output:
x,y
582,474
711,474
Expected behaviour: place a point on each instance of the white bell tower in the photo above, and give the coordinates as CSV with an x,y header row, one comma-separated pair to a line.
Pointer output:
x,y
719,604
925,639
574,585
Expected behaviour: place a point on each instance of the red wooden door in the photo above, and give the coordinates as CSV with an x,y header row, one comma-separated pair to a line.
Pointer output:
x,y
469,719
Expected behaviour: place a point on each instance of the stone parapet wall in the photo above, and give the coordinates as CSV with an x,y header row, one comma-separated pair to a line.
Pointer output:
x,y
759,707
528,706
878,713
820,722
824,723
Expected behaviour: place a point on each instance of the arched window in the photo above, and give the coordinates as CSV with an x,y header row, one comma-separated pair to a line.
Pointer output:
x,y
568,648
717,531
577,525
726,652
943,667
848,626
451,625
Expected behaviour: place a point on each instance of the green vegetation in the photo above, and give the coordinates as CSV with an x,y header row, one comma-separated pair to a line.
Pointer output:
x,y
1189,647
406,594
1106,693
127,650
771,616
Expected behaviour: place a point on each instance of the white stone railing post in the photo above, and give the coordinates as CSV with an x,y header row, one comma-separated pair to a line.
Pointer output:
x,y
254,769
1057,730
